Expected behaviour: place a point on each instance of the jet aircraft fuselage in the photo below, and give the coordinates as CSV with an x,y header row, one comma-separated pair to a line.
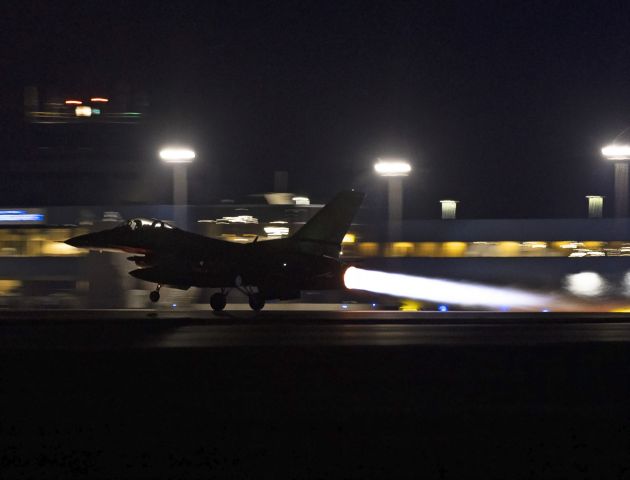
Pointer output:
x,y
272,269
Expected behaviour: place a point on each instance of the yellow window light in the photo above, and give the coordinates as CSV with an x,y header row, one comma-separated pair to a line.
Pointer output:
x,y
454,249
349,238
508,249
368,249
427,249
593,245
400,249
8,286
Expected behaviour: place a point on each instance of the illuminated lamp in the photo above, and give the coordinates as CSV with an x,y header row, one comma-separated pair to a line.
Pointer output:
x,y
619,154
74,102
301,200
83,111
595,206
616,151
177,155
449,209
99,99
392,168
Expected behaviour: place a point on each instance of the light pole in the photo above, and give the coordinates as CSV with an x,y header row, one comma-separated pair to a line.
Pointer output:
x,y
620,154
179,158
394,170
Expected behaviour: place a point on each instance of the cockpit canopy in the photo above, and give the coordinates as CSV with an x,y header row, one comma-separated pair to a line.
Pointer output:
x,y
143,223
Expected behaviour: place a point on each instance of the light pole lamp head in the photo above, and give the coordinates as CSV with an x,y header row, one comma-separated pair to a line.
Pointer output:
x,y
616,151
386,167
177,155
449,209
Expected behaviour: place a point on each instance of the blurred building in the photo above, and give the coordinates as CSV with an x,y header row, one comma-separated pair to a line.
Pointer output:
x,y
76,146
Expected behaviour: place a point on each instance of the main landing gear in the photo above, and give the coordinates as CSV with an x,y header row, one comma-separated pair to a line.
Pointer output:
x,y
256,301
218,301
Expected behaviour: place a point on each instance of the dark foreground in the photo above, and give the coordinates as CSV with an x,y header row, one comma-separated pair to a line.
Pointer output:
x,y
558,408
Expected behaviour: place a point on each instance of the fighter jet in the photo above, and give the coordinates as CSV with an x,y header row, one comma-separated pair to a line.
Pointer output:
x,y
263,270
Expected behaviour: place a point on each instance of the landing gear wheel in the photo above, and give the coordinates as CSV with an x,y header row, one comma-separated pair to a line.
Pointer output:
x,y
154,296
256,301
217,302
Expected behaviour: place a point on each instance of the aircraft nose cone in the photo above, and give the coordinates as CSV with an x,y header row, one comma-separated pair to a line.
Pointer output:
x,y
78,241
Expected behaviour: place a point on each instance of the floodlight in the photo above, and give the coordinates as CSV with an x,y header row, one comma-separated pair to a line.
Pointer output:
x,y
392,168
177,155
616,152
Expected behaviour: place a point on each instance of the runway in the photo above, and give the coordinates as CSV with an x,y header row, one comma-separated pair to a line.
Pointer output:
x,y
376,394
149,329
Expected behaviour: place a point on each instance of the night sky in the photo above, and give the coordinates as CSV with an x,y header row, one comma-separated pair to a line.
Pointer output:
x,y
501,105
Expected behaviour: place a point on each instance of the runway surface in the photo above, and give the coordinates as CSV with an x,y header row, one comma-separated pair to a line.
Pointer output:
x,y
146,394
146,329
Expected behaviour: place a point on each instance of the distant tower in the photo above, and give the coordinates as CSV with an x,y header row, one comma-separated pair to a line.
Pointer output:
x,y
449,209
595,206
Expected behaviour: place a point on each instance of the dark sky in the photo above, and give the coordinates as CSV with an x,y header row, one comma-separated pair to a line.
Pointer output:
x,y
502,105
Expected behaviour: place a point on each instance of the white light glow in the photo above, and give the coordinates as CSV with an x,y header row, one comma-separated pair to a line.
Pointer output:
x,y
616,152
443,291
392,168
301,200
73,102
276,231
83,111
535,244
99,99
177,155
585,284
237,219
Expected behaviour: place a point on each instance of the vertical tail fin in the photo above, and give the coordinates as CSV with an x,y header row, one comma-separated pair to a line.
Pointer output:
x,y
324,232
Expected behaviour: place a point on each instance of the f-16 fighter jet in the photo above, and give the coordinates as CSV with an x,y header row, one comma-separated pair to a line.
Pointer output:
x,y
263,270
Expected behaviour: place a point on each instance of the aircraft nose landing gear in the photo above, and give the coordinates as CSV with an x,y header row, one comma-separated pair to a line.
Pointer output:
x,y
155,294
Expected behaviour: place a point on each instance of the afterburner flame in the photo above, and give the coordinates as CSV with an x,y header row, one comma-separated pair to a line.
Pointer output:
x,y
444,291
